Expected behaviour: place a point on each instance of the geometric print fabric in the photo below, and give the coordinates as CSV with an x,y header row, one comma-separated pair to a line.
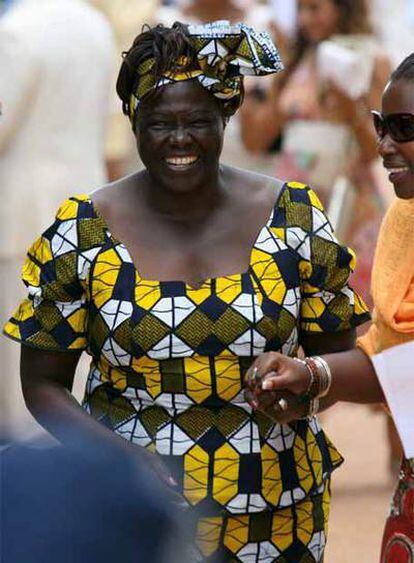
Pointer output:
x,y
168,360
266,536
220,54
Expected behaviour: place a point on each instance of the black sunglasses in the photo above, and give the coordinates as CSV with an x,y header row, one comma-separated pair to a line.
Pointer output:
x,y
400,126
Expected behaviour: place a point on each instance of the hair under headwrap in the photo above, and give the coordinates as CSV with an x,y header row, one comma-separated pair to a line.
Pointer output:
x,y
223,54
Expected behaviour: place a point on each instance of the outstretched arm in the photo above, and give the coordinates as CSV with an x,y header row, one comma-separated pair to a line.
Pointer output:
x,y
353,375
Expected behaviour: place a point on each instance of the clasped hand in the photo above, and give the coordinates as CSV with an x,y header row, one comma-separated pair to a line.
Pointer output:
x,y
275,385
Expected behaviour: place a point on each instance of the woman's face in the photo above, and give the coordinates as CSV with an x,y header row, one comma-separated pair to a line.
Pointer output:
x,y
398,158
180,136
318,19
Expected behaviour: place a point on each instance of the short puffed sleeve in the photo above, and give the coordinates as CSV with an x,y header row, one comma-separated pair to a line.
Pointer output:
x,y
328,303
54,315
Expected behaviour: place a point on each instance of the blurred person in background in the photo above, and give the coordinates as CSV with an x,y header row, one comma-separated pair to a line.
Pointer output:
x,y
4,4
285,12
204,11
394,25
326,132
79,503
174,279
352,374
278,17
126,18
56,63
262,15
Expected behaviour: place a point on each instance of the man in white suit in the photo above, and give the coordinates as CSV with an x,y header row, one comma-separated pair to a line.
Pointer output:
x,y
127,18
56,66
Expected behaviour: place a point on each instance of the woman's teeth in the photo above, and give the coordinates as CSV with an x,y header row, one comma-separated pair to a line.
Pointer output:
x,y
181,161
398,170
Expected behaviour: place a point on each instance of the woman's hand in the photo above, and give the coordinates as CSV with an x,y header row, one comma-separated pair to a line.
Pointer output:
x,y
154,462
47,378
274,384
271,403
272,371
154,466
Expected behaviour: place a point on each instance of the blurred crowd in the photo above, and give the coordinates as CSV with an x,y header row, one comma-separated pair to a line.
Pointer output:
x,y
62,129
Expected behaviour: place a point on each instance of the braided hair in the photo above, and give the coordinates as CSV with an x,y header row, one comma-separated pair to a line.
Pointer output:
x,y
164,44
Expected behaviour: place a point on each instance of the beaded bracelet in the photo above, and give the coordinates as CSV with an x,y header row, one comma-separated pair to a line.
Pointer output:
x,y
319,383
311,383
314,389
322,377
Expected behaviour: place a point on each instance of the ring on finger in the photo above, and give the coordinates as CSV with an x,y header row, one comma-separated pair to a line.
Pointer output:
x,y
255,377
282,404
251,375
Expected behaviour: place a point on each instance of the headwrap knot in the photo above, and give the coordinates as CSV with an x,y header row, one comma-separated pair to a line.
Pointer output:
x,y
224,54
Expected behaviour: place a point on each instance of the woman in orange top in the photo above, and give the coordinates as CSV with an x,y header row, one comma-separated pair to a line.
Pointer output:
x,y
353,375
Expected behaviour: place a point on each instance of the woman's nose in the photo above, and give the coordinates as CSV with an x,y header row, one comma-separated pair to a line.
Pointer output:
x,y
179,135
386,146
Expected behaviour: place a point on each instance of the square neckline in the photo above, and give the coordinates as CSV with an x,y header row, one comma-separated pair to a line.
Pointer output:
x,y
207,282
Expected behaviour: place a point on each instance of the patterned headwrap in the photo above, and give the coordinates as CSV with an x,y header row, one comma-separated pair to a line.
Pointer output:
x,y
224,53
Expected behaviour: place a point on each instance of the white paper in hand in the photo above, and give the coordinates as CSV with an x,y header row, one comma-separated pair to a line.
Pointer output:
x,y
348,64
395,371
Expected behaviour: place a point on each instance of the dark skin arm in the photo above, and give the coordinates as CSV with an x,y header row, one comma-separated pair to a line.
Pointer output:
x,y
353,376
261,120
47,379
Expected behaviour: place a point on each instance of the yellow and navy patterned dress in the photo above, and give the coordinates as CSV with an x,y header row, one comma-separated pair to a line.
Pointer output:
x,y
168,362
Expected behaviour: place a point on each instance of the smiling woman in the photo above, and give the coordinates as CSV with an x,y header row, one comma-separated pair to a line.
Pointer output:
x,y
175,279
180,137
395,129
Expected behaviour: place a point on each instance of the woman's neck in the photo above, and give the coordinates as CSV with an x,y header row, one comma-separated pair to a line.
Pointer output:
x,y
186,207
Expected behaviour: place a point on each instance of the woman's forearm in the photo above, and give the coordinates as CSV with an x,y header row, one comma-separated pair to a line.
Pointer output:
x,y
47,379
261,123
60,414
353,378
57,411
364,134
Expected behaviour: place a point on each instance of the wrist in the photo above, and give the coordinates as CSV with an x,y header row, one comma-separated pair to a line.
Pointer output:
x,y
307,378
320,378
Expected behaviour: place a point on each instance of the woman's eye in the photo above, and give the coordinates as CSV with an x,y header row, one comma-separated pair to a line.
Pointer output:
x,y
200,123
166,125
159,125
